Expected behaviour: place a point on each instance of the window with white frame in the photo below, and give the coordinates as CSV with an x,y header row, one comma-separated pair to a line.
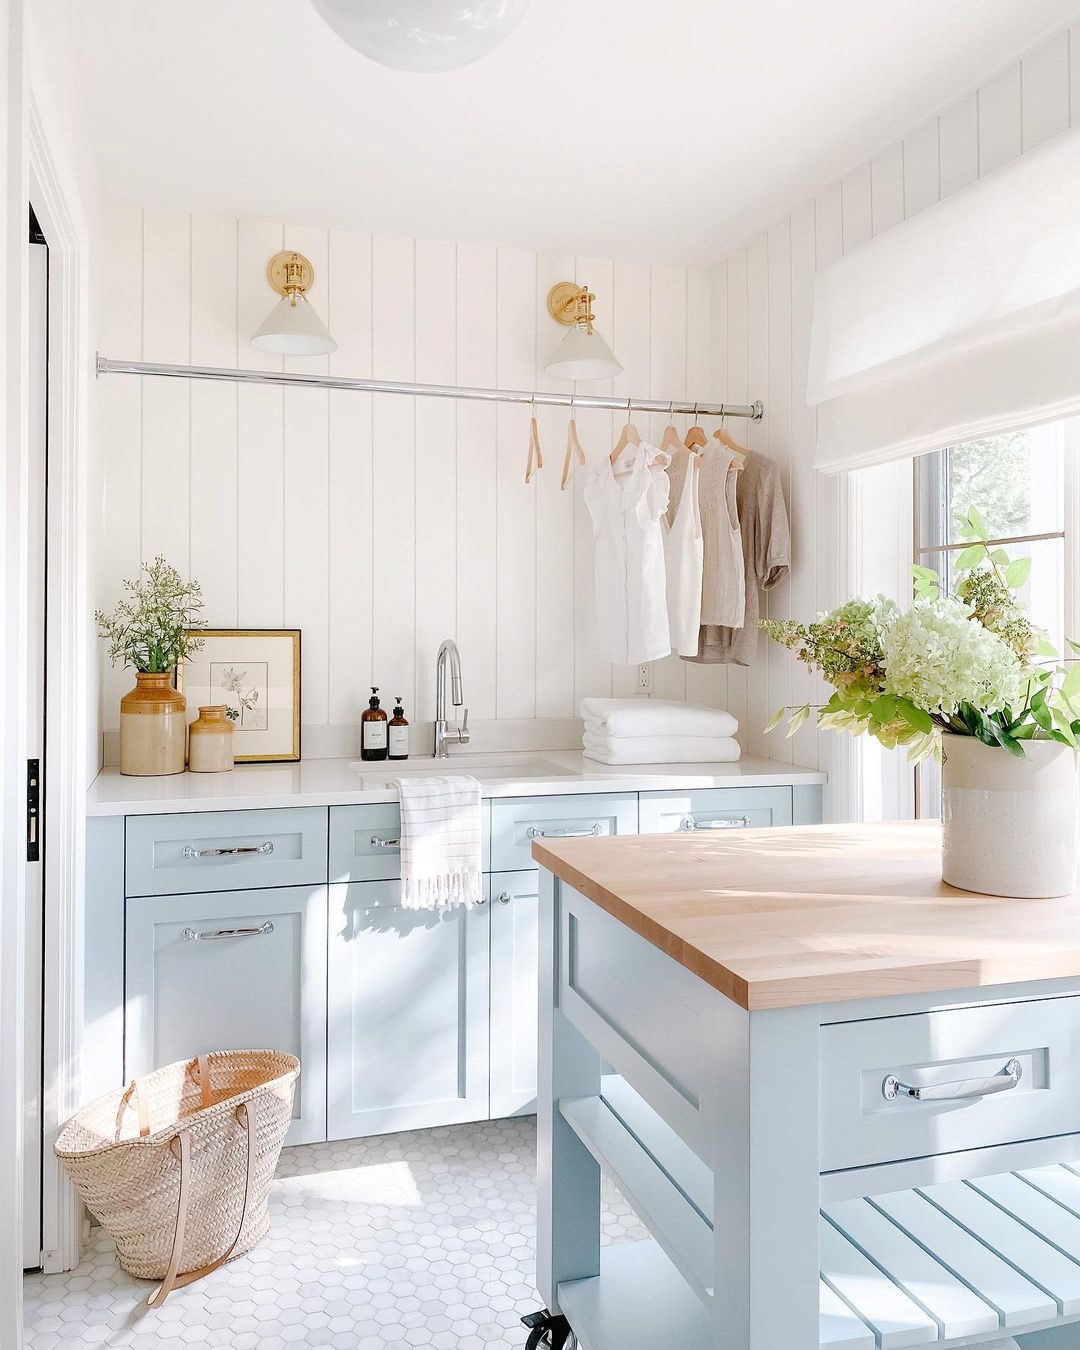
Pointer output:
x,y
1025,484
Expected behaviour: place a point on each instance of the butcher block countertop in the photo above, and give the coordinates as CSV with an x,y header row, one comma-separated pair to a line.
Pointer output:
x,y
818,914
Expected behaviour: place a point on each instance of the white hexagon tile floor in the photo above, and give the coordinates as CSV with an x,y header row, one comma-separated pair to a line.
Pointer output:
x,y
420,1241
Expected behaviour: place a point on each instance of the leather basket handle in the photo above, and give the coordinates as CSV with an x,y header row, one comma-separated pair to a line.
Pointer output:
x,y
246,1113
132,1093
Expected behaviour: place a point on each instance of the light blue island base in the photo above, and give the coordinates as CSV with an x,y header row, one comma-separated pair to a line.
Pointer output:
x,y
790,1203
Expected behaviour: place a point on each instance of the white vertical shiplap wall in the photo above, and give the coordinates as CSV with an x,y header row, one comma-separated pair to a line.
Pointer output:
x,y
379,525
854,533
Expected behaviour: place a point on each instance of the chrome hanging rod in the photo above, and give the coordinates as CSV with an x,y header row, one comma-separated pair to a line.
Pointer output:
x,y
754,411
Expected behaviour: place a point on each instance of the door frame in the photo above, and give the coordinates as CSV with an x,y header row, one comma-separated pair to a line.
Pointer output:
x,y
67,753
33,166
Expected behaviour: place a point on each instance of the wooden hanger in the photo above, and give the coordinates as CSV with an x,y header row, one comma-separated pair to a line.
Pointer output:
x,y
672,442
739,451
574,452
536,455
628,436
695,438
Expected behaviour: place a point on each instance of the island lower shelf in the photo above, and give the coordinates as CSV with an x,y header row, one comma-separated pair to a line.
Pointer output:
x,y
961,1263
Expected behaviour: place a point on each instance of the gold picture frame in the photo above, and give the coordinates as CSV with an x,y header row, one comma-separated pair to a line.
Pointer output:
x,y
256,672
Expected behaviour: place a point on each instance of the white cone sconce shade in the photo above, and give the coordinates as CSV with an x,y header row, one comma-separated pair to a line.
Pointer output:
x,y
426,36
582,354
292,328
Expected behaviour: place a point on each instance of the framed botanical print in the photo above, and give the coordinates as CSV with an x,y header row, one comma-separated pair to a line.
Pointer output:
x,y
255,673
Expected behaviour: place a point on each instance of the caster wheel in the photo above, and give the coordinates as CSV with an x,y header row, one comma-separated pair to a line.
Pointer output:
x,y
543,1338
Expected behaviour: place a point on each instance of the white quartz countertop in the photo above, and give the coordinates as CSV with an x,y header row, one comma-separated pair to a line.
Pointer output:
x,y
344,782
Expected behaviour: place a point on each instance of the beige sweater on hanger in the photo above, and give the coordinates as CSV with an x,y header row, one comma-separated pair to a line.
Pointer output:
x,y
766,545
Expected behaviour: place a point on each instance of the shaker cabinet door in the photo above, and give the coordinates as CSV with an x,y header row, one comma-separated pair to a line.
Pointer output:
x,y
514,992
408,1013
243,970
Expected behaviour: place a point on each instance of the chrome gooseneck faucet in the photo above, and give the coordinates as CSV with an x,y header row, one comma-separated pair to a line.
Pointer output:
x,y
448,652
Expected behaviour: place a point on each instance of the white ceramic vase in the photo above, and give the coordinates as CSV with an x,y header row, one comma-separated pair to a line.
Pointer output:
x,y
1009,825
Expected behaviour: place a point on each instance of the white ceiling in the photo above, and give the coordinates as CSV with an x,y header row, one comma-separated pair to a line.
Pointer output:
x,y
608,127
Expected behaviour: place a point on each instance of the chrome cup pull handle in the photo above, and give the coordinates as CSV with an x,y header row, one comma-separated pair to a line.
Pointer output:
x,y
377,841
211,935
724,823
241,851
963,1089
593,832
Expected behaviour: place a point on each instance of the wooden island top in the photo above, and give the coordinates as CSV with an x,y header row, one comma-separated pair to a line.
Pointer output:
x,y
784,917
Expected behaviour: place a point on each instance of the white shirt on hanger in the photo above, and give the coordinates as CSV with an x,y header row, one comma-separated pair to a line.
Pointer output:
x,y
684,552
630,573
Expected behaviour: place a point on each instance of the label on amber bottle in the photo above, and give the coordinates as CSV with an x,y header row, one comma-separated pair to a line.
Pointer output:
x,y
374,735
399,740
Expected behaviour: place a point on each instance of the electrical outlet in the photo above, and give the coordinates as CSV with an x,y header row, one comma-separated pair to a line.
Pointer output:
x,y
644,678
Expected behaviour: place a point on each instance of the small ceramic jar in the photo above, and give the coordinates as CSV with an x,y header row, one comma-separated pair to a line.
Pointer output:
x,y
211,747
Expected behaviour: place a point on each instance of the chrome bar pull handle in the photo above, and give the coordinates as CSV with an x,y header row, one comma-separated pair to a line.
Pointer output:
x,y
241,851
208,935
377,841
963,1089
593,832
724,823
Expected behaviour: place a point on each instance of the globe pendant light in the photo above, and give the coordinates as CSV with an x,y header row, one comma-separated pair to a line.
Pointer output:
x,y
292,328
582,354
422,35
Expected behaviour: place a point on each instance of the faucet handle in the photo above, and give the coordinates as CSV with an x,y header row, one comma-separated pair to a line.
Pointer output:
x,y
463,733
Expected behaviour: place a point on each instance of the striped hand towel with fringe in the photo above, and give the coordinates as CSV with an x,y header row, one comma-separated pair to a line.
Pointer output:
x,y
441,856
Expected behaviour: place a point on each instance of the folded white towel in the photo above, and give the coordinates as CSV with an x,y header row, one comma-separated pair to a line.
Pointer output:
x,y
441,858
662,749
657,717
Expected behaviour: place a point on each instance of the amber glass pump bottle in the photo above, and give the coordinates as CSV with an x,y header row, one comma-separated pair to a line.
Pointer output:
x,y
399,732
373,741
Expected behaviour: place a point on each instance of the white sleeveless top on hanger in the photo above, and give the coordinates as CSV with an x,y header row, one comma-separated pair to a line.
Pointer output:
x,y
684,551
631,592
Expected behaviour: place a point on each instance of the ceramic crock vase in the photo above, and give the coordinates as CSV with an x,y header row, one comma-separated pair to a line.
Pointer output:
x,y
210,749
1009,825
153,727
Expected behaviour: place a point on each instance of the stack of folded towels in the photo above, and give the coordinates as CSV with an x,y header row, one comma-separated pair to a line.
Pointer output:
x,y
653,731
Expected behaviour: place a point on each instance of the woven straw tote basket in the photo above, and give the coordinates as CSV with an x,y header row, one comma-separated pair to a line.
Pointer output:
x,y
177,1166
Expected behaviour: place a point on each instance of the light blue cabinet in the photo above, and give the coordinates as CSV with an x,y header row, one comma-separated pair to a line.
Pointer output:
x,y
713,809
232,970
402,1019
514,900
407,1041
225,850
517,822
365,841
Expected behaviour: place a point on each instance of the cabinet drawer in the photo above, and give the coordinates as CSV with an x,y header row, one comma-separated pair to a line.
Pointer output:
x,y
225,850
863,1123
231,971
517,821
364,841
714,809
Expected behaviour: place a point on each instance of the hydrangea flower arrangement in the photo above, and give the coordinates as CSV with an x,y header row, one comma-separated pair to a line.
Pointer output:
x,y
971,663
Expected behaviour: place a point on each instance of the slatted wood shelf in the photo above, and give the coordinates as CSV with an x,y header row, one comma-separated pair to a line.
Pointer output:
x,y
964,1263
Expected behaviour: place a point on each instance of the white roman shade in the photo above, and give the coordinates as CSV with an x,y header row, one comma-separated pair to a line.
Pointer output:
x,y
962,322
